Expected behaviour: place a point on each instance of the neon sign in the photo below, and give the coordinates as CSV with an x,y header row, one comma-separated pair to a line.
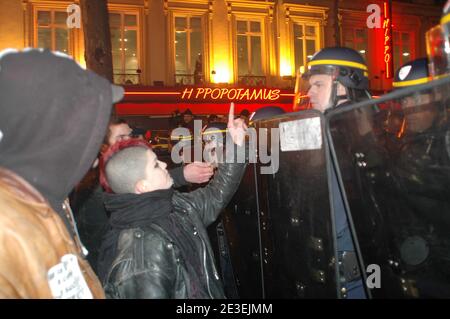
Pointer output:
x,y
387,27
231,94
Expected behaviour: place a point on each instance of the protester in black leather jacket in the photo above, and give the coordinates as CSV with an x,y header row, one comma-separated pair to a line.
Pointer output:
x,y
158,246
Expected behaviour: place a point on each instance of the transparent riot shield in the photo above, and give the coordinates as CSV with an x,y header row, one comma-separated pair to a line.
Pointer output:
x,y
393,157
296,227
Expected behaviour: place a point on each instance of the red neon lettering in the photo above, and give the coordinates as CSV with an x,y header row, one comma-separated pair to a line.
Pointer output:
x,y
212,94
234,96
256,94
224,91
199,91
207,92
275,95
187,91
246,94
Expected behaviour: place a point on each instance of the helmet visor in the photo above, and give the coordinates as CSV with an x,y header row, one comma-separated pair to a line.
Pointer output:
x,y
437,50
314,88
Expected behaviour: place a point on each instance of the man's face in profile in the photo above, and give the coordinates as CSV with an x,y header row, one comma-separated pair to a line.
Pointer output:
x,y
319,92
156,173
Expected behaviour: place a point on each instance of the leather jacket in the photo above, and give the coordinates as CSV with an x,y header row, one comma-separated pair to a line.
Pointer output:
x,y
148,263
38,258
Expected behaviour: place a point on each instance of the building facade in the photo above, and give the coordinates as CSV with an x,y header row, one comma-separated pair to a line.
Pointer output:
x,y
168,43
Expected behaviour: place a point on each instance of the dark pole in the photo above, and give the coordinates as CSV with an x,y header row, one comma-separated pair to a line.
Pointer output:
x,y
336,23
97,37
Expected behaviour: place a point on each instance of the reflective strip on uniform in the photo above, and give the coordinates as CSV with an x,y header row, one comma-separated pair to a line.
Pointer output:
x,y
181,138
214,132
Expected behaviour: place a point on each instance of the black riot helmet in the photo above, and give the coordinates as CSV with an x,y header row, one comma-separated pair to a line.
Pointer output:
x,y
345,66
413,73
266,112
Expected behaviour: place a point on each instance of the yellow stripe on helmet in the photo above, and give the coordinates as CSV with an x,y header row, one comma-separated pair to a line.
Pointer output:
x,y
339,62
411,82
445,19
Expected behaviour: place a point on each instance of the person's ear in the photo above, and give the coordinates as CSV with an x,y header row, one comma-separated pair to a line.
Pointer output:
x,y
142,186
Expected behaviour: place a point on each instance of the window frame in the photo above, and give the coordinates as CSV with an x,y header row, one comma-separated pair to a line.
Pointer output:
x,y
255,17
353,29
190,64
52,7
412,48
127,10
199,9
316,16
248,35
318,38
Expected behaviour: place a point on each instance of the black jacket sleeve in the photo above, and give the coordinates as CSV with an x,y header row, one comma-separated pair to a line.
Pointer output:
x,y
209,201
178,177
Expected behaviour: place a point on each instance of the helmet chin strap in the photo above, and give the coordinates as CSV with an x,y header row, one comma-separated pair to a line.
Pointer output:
x,y
335,98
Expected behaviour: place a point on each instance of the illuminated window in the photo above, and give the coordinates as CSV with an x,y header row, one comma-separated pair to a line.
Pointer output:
x,y
356,38
188,50
403,48
51,31
306,42
249,53
125,49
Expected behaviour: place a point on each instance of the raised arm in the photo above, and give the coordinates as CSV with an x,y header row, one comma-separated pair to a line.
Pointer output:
x,y
209,201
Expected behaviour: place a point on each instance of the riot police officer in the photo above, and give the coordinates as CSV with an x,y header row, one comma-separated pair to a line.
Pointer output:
x,y
335,77
422,172
424,116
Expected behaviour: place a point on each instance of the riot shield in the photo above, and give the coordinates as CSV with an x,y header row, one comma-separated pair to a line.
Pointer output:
x,y
236,241
397,188
296,223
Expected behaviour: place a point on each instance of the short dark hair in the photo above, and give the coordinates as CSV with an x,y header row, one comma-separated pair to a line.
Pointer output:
x,y
113,121
123,165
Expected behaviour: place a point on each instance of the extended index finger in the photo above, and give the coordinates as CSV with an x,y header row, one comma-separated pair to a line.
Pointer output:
x,y
231,115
